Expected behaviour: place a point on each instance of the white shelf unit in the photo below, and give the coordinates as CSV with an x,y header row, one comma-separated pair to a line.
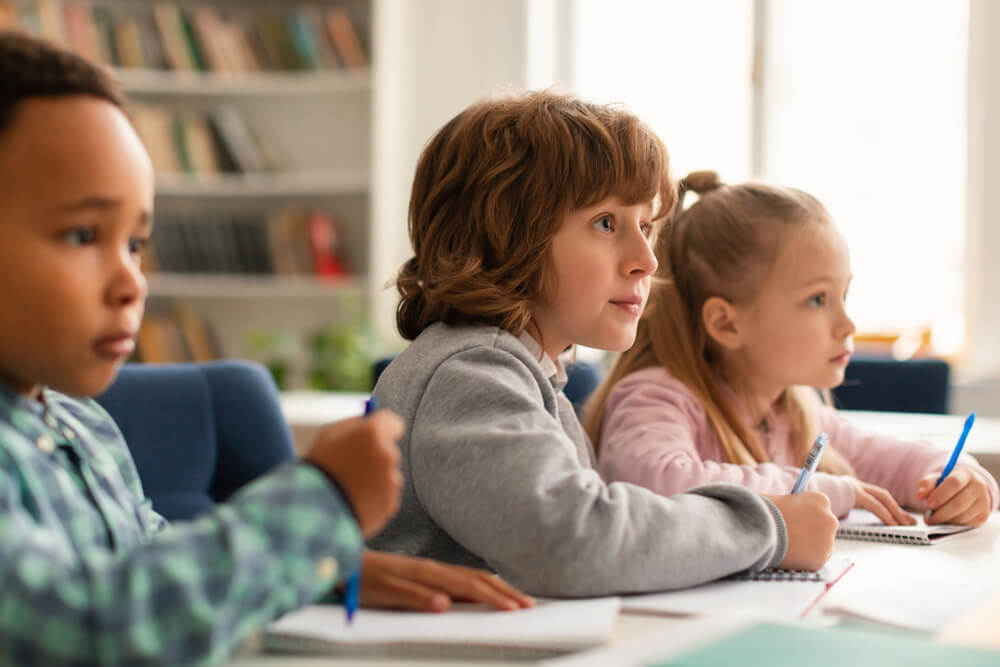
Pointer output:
x,y
321,123
257,84
277,185
221,286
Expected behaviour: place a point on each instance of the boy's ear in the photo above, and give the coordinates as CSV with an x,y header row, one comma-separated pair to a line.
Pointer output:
x,y
720,320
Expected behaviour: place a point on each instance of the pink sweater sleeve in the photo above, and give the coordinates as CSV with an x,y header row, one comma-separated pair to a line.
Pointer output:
x,y
657,435
893,464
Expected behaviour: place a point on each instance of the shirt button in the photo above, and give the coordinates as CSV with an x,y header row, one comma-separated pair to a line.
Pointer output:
x,y
50,421
68,433
326,568
45,444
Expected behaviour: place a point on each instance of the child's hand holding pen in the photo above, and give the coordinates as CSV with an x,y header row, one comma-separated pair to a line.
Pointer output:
x,y
361,454
956,495
963,497
810,525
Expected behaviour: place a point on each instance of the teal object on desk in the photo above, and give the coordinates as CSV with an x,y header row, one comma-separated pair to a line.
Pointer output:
x,y
352,590
958,448
796,646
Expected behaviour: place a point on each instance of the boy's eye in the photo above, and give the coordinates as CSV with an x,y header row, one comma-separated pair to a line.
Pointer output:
x,y
80,236
817,299
604,224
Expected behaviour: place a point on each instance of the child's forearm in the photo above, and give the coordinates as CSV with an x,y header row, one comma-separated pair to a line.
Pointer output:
x,y
186,597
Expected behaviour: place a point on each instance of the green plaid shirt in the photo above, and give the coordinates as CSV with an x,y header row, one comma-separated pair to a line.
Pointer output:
x,y
90,574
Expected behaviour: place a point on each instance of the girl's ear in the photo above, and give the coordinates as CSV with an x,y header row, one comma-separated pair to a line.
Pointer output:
x,y
720,320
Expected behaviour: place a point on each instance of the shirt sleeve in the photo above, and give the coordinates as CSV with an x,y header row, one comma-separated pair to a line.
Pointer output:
x,y
652,427
187,596
496,470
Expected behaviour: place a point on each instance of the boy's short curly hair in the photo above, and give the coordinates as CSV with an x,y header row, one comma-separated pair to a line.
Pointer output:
x,y
32,67
492,188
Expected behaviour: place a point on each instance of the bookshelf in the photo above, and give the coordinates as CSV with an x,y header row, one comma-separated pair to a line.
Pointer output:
x,y
258,115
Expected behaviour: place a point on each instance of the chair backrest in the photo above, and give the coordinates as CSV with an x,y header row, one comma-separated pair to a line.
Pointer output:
x,y
582,377
890,385
198,431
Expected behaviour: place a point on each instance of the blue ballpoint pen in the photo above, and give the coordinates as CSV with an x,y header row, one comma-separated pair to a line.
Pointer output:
x,y
352,590
812,460
958,448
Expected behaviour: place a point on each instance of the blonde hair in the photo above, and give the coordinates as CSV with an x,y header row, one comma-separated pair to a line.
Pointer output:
x,y
492,188
723,245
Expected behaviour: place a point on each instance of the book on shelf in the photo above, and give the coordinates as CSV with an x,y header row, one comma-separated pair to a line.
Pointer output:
x,y
242,143
323,237
178,335
200,38
292,242
171,32
345,39
188,142
153,125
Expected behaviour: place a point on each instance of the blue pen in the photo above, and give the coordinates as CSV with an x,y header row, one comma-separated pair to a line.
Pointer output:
x,y
352,590
812,460
958,448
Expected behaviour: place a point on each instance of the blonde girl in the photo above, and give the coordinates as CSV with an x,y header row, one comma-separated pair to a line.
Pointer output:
x,y
746,320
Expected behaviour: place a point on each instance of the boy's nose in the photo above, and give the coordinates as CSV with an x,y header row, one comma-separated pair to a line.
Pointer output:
x,y
641,260
128,284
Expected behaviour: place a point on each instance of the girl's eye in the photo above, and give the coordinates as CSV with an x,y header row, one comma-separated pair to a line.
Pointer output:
x,y
136,245
604,224
817,300
80,236
647,229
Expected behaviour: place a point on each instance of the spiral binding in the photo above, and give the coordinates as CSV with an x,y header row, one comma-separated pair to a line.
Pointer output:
x,y
870,535
775,574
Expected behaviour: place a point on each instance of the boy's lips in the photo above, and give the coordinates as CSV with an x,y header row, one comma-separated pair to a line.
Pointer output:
x,y
631,305
116,345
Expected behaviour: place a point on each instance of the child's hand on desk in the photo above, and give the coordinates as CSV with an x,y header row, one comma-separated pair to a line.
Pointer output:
x,y
962,498
361,454
880,502
811,529
393,581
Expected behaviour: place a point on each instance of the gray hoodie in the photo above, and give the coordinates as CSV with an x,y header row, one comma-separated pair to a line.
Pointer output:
x,y
500,474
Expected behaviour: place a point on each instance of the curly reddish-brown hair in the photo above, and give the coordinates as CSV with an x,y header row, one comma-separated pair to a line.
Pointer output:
x,y
492,188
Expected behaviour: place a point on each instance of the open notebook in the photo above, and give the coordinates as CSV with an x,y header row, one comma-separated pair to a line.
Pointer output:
x,y
780,593
863,525
465,632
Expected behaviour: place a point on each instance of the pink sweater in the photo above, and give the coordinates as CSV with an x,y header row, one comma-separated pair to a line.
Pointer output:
x,y
657,435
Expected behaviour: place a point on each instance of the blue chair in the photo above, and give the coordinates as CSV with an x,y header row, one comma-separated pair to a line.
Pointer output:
x,y
891,385
198,431
582,378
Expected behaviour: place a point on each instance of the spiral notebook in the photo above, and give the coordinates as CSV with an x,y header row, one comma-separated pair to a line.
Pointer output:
x,y
778,593
863,525
467,631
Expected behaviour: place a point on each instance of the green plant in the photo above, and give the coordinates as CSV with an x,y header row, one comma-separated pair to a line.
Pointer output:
x,y
341,358
274,349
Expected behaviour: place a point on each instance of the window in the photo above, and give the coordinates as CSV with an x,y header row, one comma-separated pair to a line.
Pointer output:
x,y
859,102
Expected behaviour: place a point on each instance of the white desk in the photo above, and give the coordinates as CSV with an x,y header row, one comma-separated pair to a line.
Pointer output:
x,y
970,560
